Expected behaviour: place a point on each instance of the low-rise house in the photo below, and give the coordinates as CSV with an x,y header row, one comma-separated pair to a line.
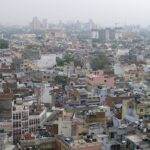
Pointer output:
x,y
99,78
143,109
72,143
138,141
43,140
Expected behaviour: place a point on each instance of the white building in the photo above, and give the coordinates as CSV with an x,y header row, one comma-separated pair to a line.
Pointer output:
x,y
20,121
36,120
26,119
46,61
118,69
95,34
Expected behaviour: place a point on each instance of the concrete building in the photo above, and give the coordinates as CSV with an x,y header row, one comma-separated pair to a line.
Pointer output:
x,y
71,143
35,24
6,101
103,35
27,118
137,141
20,121
5,143
95,34
99,78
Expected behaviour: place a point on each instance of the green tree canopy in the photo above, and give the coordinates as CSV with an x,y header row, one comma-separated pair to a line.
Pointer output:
x,y
63,80
68,58
3,44
2,130
59,61
100,62
78,63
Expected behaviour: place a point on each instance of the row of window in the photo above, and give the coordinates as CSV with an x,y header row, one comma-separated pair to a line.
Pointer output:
x,y
46,77
34,121
17,116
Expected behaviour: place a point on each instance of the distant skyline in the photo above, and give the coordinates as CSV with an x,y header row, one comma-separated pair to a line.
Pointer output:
x,y
103,12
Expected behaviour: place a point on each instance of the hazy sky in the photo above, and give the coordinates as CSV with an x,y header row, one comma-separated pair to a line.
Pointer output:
x,y
104,12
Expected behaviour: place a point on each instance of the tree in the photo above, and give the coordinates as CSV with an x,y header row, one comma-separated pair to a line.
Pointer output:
x,y
100,62
78,63
63,80
2,130
3,44
59,61
68,58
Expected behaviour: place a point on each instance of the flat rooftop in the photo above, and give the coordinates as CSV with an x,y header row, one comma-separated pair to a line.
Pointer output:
x,y
136,138
77,142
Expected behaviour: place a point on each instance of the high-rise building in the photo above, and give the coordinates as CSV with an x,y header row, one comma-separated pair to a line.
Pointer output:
x,y
1,36
91,24
103,35
35,24
44,24
95,34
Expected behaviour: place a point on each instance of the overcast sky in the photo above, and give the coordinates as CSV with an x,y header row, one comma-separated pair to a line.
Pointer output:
x,y
104,12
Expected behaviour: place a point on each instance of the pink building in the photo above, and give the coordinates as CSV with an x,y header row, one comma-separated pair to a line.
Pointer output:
x,y
99,78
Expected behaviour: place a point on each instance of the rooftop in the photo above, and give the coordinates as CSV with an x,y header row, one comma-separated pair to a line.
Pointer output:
x,y
77,142
136,138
